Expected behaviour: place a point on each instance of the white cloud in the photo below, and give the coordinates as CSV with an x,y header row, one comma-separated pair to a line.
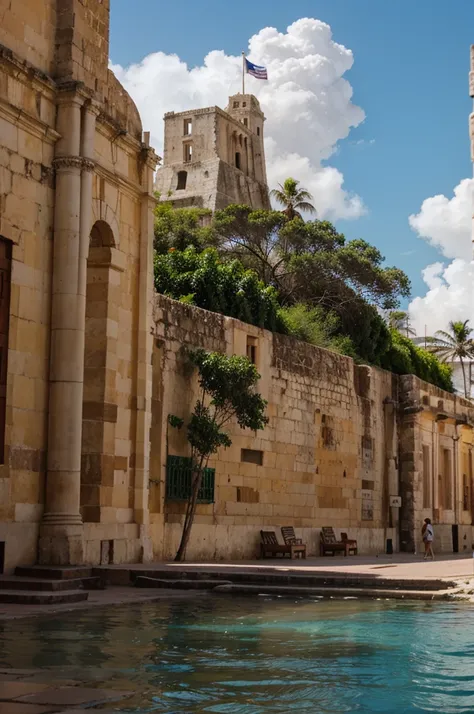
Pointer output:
x,y
446,224
450,296
307,101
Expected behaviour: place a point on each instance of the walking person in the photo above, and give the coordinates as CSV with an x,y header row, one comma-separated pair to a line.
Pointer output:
x,y
428,537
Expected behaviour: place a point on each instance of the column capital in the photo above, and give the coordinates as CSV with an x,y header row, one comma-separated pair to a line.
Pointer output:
x,y
88,165
92,107
67,162
73,162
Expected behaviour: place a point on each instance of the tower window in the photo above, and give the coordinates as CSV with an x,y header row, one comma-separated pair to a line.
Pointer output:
x,y
182,179
258,131
252,349
237,159
244,104
236,105
187,152
188,127
246,122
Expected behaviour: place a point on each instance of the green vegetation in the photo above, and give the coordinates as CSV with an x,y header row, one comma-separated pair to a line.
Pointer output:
x,y
228,392
182,228
203,279
404,357
310,324
299,278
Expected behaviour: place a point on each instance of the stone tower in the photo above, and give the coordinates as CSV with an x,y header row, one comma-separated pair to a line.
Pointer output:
x,y
213,158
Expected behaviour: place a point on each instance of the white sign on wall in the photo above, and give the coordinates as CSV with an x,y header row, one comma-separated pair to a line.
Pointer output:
x,y
395,501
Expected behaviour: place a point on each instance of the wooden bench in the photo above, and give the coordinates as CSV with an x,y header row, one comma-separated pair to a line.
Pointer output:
x,y
271,548
351,544
329,544
298,547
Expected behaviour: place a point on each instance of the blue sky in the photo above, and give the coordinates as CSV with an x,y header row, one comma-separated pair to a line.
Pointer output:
x,y
410,75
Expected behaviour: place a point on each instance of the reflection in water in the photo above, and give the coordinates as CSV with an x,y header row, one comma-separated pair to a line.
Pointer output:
x,y
259,656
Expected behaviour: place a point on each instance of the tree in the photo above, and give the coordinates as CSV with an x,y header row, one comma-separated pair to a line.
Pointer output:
x,y
227,392
308,262
457,344
180,228
293,198
311,263
294,277
400,320
253,237
203,279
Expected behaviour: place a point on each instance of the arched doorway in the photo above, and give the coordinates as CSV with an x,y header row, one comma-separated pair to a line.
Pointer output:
x,y
99,414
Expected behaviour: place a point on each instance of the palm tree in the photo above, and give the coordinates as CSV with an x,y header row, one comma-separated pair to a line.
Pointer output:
x,y
293,199
457,344
400,320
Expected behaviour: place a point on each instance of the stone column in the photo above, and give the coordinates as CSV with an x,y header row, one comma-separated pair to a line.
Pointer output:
x,y
408,474
144,353
436,472
391,470
90,113
61,540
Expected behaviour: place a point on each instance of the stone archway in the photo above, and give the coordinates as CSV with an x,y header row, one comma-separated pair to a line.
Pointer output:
x,y
99,415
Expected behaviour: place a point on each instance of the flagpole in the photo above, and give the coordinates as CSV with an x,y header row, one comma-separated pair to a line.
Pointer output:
x,y
243,72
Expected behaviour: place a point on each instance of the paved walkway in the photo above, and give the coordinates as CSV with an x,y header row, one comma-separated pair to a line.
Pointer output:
x,y
401,565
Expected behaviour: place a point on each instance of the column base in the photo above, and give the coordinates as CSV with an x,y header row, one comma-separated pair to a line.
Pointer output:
x,y
62,519
61,544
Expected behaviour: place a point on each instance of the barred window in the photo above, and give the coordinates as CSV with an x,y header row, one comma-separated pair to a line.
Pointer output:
x,y
179,478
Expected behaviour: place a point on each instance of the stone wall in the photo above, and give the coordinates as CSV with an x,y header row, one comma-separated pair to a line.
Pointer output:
x,y
28,29
325,459
342,439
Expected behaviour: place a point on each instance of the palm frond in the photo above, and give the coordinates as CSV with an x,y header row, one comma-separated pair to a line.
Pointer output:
x,y
305,206
302,195
445,336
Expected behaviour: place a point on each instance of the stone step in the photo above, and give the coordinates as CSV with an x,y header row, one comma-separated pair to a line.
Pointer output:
x,y
274,577
328,592
14,582
26,597
182,584
50,572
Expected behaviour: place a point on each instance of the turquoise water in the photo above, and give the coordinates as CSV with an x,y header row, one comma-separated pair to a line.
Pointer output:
x,y
259,656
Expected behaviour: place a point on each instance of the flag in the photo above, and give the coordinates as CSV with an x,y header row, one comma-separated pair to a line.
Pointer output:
x,y
255,70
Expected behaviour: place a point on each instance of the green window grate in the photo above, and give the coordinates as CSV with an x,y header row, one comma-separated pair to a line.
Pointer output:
x,y
178,481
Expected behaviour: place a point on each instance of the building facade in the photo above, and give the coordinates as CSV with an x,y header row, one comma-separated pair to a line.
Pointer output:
x,y
213,158
76,232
